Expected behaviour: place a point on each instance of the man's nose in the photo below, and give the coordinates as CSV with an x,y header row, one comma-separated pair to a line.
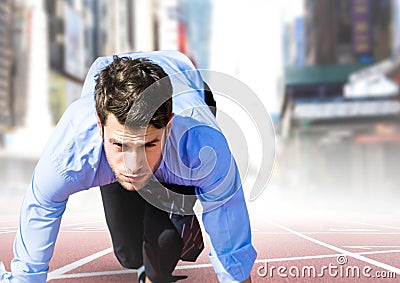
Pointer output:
x,y
133,161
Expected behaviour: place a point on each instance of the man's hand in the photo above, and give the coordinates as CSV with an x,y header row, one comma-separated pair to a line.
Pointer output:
x,y
3,273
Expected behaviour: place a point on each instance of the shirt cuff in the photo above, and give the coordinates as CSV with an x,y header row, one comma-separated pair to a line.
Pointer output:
x,y
234,267
23,273
5,277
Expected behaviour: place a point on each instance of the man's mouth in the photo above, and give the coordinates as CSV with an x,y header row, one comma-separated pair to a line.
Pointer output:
x,y
135,178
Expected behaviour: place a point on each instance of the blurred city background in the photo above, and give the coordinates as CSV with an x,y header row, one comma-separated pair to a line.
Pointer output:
x,y
328,71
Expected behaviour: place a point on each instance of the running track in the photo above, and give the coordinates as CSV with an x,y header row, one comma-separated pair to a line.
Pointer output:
x,y
302,246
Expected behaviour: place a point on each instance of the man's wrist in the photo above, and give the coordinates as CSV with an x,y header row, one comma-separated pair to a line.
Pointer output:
x,y
4,274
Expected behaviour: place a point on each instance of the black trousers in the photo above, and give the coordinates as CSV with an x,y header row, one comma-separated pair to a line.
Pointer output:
x,y
143,234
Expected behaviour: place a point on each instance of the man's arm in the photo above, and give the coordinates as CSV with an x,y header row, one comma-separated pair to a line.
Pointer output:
x,y
37,232
68,164
220,192
45,202
42,207
228,227
72,161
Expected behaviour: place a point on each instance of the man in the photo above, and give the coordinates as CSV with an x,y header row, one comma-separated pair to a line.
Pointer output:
x,y
122,135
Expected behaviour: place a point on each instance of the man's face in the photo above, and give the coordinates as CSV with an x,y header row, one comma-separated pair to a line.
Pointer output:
x,y
133,154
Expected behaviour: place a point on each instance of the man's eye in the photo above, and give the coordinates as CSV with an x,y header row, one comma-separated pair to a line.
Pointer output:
x,y
119,145
150,145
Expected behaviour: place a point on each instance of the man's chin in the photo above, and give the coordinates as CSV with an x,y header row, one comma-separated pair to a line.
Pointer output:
x,y
132,187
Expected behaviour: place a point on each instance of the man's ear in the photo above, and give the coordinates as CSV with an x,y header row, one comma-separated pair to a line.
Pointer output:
x,y
100,126
169,126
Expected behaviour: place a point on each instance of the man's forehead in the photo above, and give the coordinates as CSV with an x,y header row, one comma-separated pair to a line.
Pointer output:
x,y
120,131
142,131
137,134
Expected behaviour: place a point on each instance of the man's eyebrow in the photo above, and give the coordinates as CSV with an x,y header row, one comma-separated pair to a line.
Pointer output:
x,y
155,140
113,140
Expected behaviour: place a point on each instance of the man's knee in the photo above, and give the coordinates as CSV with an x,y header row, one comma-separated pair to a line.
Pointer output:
x,y
129,260
169,241
161,254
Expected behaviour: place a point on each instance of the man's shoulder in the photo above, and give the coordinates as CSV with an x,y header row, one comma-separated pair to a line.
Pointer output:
x,y
197,154
75,147
199,130
193,138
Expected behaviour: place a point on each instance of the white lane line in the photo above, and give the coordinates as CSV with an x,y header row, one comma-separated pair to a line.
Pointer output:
x,y
89,229
92,274
352,230
81,223
194,266
118,272
56,273
7,228
332,233
374,225
369,247
344,252
6,232
379,252
115,272
86,231
321,256
197,266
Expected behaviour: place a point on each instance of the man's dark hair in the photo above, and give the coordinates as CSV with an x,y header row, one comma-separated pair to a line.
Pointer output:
x,y
138,92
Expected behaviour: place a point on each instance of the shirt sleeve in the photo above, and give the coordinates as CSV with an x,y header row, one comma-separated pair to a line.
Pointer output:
x,y
40,216
39,225
230,235
225,214
71,162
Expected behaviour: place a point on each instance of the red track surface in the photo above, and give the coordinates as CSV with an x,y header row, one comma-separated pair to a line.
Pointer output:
x,y
296,242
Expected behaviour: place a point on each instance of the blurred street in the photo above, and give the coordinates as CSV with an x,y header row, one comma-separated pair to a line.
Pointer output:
x,y
345,167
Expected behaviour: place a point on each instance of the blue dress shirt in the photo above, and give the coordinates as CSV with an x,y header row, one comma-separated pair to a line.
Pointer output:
x,y
196,154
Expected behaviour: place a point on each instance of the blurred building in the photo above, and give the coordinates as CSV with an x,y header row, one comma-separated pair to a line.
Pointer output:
x,y
6,59
396,26
81,31
72,34
341,32
342,105
195,30
347,32
321,21
19,75
339,38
